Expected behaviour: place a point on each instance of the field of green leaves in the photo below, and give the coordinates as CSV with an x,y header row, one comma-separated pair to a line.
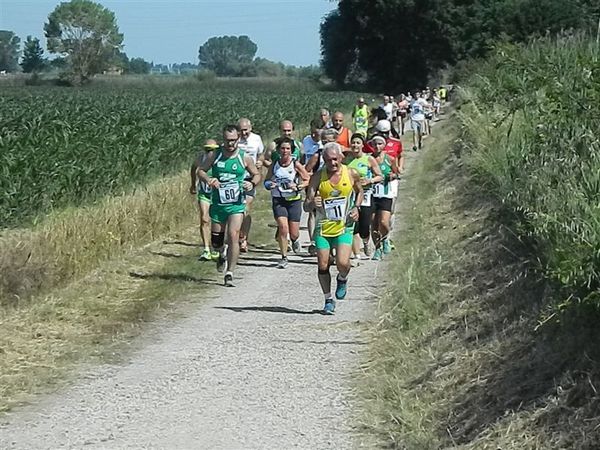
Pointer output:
x,y
66,146
531,121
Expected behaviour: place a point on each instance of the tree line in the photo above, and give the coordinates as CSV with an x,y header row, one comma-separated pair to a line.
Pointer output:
x,y
86,39
398,45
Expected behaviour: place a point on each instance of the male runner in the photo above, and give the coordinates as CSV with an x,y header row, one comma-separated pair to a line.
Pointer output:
x,y
360,117
252,145
203,193
286,130
228,166
343,133
334,191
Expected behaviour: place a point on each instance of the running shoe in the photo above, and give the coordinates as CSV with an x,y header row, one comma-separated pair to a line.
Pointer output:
x,y
366,250
206,255
244,246
312,250
296,246
221,263
415,148
378,255
387,247
228,280
283,263
329,307
392,246
214,255
341,289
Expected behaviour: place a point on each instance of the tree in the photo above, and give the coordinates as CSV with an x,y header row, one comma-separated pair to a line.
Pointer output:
x,y
87,33
227,55
9,51
33,56
139,66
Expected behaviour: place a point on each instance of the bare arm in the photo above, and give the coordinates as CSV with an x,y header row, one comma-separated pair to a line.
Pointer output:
x,y
313,162
313,200
304,175
252,170
358,192
203,168
266,159
375,170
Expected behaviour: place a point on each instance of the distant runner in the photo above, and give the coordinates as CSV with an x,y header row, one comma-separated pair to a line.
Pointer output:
x,y
360,117
343,133
334,191
286,129
228,166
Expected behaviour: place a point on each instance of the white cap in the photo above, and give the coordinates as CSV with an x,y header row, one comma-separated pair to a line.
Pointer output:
x,y
383,126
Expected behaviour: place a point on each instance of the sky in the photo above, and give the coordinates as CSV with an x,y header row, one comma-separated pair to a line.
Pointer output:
x,y
167,32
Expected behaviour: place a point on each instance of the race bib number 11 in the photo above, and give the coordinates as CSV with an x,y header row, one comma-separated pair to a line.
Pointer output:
x,y
335,209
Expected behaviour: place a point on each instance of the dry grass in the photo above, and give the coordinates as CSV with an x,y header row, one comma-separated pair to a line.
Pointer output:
x,y
458,359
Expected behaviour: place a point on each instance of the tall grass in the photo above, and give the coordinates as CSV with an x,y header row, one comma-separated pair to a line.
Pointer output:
x,y
531,123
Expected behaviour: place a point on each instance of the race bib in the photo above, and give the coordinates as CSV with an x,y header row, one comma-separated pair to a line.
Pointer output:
x,y
229,192
335,208
367,198
203,188
379,190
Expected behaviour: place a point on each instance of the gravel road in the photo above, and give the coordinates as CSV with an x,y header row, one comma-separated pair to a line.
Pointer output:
x,y
255,366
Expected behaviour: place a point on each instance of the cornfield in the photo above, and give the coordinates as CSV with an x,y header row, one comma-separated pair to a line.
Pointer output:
x,y
62,146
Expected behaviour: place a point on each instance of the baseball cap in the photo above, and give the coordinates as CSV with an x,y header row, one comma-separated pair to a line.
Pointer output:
x,y
383,126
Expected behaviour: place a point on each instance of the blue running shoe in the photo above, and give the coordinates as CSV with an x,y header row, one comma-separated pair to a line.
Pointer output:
x,y
387,246
377,255
340,290
329,308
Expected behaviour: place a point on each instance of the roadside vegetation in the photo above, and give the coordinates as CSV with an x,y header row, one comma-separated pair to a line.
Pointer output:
x,y
458,358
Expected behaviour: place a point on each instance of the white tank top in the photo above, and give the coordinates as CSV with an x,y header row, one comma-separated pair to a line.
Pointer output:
x,y
284,176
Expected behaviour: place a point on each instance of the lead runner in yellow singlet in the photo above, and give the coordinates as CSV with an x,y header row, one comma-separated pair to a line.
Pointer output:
x,y
334,191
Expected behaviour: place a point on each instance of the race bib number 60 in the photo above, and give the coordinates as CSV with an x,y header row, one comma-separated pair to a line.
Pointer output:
x,y
229,192
335,208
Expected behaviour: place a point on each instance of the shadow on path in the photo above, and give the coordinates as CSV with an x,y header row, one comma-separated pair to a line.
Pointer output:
x,y
172,277
273,309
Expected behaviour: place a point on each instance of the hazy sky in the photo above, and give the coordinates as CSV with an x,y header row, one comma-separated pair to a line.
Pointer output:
x,y
171,31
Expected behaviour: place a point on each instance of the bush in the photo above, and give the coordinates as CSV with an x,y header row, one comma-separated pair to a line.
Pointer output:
x,y
531,121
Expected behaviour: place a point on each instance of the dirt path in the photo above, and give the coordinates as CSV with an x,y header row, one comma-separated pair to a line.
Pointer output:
x,y
256,366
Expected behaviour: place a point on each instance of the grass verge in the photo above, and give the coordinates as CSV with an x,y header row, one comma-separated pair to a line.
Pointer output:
x,y
458,358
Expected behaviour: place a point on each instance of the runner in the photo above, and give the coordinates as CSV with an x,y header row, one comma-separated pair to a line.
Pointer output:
x,y
388,107
312,145
286,129
285,179
417,121
402,112
326,117
203,192
368,169
382,198
228,166
334,191
360,117
343,133
252,145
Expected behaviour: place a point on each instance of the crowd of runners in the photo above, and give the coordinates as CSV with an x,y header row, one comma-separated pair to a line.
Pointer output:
x,y
345,181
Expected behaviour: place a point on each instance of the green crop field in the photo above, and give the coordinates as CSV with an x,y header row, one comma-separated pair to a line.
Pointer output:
x,y
66,146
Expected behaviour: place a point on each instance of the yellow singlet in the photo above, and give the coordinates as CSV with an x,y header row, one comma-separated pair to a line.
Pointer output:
x,y
336,203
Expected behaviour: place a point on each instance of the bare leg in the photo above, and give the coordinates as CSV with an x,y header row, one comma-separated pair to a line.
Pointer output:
x,y
234,224
324,275
204,223
247,223
282,236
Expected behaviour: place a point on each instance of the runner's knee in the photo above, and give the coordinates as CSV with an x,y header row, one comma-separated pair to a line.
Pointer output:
x,y
217,238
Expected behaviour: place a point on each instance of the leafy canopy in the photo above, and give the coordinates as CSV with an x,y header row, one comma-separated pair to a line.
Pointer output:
x,y
227,55
9,50
87,33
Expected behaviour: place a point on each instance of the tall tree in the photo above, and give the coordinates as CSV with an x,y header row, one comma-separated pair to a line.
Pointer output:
x,y
87,33
33,56
227,55
9,51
